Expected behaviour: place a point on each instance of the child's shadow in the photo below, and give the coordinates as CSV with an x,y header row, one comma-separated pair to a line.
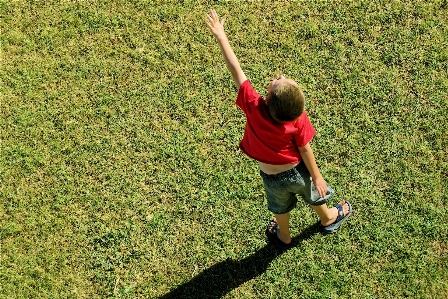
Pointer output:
x,y
227,275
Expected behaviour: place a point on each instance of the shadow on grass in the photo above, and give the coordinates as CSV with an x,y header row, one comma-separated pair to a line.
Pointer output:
x,y
227,275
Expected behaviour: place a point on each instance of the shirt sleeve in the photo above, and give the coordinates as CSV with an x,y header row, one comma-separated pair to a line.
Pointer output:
x,y
246,94
305,131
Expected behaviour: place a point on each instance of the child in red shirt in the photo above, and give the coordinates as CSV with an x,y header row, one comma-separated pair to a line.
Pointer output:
x,y
277,135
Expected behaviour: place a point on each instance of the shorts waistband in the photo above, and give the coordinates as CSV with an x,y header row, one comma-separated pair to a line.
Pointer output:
x,y
284,174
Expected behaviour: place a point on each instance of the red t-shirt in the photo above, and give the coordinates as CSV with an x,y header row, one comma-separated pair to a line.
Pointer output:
x,y
266,140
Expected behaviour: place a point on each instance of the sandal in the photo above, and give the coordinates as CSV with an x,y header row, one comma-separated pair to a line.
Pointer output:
x,y
332,228
272,236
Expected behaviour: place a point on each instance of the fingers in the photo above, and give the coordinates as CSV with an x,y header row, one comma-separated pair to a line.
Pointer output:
x,y
322,191
209,18
213,16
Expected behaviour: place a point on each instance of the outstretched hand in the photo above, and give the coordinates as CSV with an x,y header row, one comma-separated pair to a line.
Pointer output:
x,y
216,26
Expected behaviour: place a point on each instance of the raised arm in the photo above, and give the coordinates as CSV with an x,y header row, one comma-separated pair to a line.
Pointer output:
x,y
217,28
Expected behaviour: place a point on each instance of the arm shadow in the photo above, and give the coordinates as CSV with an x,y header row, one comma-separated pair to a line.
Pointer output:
x,y
227,275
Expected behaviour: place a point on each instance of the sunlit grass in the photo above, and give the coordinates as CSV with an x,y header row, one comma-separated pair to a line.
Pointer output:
x,y
120,174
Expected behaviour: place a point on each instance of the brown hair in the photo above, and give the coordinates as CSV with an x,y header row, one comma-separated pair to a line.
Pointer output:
x,y
286,102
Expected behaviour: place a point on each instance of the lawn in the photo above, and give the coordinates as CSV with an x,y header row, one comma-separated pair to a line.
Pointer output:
x,y
120,173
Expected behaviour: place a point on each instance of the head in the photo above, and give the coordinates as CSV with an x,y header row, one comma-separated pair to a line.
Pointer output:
x,y
285,99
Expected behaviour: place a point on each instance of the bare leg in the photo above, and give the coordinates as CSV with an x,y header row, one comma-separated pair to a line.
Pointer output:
x,y
328,216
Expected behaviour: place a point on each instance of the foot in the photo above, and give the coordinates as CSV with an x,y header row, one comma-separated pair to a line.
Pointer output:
x,y
274,229
344,209
334,212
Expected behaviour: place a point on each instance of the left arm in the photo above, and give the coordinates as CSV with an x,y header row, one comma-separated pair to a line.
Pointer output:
x,y
310,161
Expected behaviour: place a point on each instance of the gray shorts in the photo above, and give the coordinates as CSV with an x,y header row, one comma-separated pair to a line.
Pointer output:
x,y
282,188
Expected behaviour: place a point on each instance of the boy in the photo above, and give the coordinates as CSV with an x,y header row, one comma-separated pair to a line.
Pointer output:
x,y
277,135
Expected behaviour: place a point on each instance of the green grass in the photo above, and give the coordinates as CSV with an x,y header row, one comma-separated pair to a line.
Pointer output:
x,y
120,175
